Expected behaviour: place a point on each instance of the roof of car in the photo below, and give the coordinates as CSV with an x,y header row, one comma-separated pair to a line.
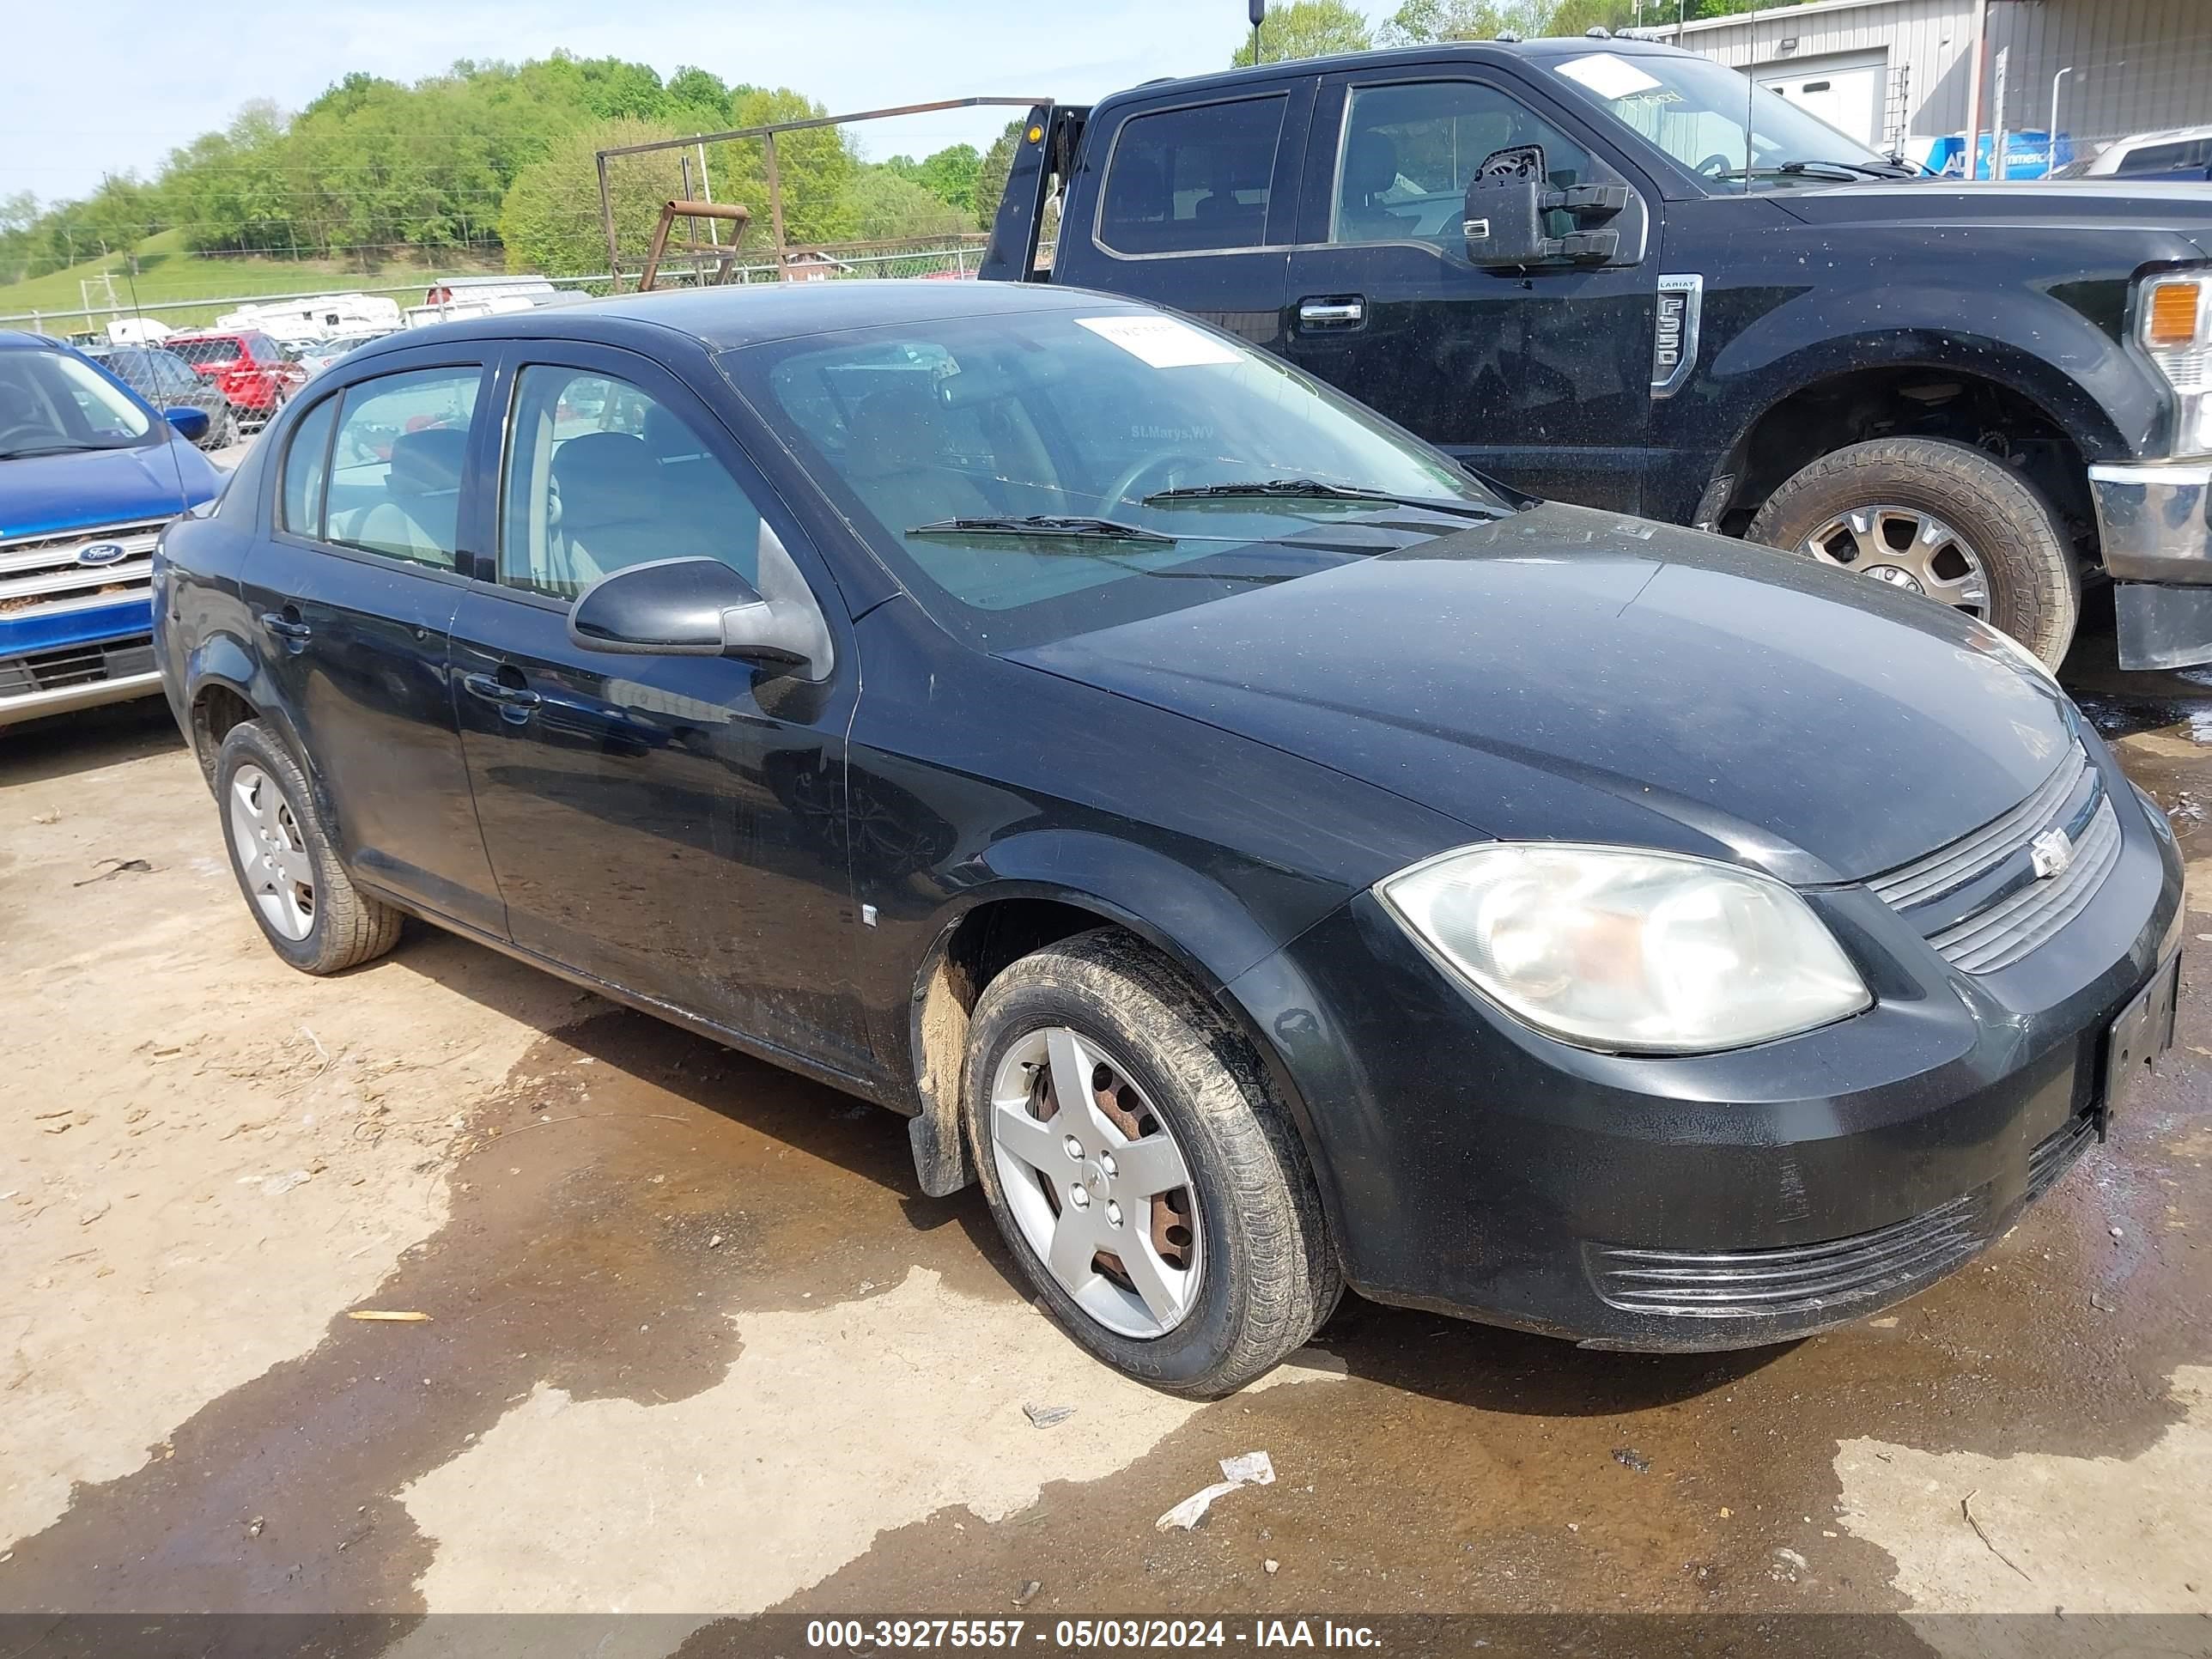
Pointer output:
x,y
18,339
1542,50
749,313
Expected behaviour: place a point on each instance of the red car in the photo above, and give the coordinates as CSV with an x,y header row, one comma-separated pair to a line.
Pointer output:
x,y
249,367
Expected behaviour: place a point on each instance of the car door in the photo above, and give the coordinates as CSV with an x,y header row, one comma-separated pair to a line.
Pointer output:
x,y
1540,375
672,824
1195,208
353,590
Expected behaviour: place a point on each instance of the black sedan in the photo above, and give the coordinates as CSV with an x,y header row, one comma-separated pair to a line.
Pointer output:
x,y
1264,857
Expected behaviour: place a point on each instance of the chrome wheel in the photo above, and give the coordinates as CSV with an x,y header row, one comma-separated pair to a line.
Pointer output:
x,y
1906,548
272,851
1096,1182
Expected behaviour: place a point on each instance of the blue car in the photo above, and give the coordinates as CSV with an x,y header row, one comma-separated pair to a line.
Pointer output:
x,y
89,475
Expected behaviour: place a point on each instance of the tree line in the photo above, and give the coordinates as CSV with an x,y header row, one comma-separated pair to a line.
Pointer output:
x,y
493,158
1316,28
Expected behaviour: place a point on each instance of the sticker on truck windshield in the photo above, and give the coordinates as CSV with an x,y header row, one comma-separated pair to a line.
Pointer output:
x,y
1607,75
1162,341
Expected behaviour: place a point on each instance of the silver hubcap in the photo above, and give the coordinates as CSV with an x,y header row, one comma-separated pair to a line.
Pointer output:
x,y
1907,549
1096,1182
273,852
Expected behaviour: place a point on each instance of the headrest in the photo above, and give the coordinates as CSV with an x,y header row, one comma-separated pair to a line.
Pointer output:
x,y
606,477
1370,165
426,462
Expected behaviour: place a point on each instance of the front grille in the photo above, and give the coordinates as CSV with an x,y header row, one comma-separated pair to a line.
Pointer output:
x,y
1949,868
1800,1279
77,665
40,576
2001,935
1979,901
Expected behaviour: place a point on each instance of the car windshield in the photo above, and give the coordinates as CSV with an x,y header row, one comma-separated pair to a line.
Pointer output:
x,y
53,402
1033,476
1718,123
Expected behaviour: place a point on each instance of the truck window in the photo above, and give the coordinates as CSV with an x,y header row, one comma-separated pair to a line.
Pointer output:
x,y
1410,148
1191,180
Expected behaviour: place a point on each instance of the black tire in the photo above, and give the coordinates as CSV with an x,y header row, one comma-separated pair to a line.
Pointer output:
x,y
348,928
223,431
1270,1275
2035,583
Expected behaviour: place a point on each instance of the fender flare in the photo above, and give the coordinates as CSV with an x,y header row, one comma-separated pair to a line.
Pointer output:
x,y
223,660
2087,401
1195,923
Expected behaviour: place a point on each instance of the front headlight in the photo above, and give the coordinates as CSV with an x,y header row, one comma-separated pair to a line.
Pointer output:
x,y
1627,951
2173,321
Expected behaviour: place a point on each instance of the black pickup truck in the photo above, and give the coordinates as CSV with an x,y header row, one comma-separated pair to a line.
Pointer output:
x,y
1616,273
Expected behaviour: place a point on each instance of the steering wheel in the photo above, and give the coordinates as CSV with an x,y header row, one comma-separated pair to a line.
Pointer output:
x,y
1125,486
1713,166
26,428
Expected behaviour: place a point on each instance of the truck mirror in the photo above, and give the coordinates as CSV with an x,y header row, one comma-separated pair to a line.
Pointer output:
x,y
1505,222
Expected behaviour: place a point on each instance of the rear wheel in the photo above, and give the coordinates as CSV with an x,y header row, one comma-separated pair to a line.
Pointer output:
x,y
308,908
1144,1175
223,430
1939,518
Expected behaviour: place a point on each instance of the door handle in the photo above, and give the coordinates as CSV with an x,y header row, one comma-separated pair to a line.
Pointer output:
x,y
291,628
1338,311
492,691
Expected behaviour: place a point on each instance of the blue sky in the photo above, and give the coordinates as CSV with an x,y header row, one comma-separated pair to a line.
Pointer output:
x,y
123,84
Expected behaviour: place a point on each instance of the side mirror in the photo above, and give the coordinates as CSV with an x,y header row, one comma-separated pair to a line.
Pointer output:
x,y
190,424
1507,200
702,608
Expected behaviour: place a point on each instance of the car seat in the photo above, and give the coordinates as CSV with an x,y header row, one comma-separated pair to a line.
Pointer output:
x,y
420,514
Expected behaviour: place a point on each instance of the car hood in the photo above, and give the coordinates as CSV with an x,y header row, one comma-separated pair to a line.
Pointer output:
x,y
2081,204
49,494
1569,674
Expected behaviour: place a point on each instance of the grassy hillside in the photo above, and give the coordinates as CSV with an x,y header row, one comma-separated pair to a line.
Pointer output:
x,y
166,270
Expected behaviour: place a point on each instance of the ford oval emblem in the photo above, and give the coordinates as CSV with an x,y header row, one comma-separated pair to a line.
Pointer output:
x,y
102,553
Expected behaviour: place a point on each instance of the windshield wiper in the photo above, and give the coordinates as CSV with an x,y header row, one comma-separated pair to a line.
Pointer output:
x,y
66,447
1312,490
1042,523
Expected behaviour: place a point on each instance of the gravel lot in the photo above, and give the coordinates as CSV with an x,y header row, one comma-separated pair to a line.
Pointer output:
x,y
677,1299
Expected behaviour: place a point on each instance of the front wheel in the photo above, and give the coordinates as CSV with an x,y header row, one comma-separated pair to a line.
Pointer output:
x,y
1150,1185
1939,518
223,431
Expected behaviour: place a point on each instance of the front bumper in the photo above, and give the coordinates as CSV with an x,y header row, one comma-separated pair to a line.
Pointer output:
x,y
2155,526
1476,1167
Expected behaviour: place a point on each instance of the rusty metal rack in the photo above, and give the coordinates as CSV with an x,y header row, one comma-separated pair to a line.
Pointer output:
x,y
782,250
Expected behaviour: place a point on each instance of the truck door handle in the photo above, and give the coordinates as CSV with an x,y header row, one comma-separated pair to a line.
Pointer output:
x,y
492,690
1337,311
288,628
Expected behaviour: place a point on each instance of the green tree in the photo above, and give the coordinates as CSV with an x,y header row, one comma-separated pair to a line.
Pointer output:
x,y
1306,28
949,176
883,207
549,222
991,174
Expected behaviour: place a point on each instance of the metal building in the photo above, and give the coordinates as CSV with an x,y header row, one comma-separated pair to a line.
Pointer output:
x,y
1903,74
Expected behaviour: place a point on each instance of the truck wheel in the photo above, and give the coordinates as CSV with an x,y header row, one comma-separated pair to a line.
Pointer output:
x,y
1940,519
1146,1178
308,908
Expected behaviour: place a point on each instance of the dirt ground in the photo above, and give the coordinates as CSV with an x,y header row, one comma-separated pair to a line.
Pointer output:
x,y
696,1345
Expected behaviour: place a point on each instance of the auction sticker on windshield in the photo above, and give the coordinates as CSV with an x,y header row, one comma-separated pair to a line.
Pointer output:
x,y
1160,341
1607,75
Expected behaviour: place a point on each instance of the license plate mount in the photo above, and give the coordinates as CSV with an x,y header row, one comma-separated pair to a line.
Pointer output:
x,y
2143,1031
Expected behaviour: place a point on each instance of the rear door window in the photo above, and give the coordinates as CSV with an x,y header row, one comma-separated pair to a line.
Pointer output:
x,y
397,464
306,471
1191,181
